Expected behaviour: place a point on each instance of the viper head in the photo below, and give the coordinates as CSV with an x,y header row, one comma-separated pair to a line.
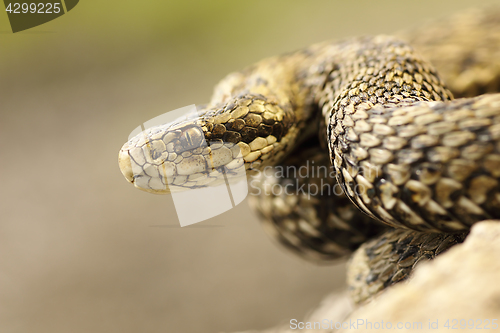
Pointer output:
x,y
179,155
207,147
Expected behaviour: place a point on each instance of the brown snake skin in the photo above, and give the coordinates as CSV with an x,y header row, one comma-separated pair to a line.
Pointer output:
x,y
404,152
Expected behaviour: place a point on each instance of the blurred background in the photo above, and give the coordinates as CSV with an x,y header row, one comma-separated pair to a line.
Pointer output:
x,y
82,250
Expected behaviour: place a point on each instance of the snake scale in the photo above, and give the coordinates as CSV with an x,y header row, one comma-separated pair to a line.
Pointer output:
x,y
415,167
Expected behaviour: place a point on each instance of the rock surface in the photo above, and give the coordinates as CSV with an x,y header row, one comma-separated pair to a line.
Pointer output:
x,y
335,308
459,291
462,284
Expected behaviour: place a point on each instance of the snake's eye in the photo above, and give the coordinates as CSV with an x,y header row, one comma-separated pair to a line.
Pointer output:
x,y
191,138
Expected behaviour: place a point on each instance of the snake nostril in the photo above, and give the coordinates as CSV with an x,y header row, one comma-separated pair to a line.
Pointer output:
x,y
125,165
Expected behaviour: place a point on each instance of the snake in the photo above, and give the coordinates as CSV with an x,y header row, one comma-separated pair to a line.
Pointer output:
x,y
403,131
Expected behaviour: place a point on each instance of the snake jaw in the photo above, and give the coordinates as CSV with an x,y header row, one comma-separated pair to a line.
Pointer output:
x,y
125,164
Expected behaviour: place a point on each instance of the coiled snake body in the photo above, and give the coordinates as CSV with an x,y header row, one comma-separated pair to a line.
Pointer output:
x,y
417,168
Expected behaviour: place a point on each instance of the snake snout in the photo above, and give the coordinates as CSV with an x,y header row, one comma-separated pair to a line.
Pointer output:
x,y
145,167
125,166
178,157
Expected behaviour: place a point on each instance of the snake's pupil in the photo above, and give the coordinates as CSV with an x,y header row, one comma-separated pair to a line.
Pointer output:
x,y
188,139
